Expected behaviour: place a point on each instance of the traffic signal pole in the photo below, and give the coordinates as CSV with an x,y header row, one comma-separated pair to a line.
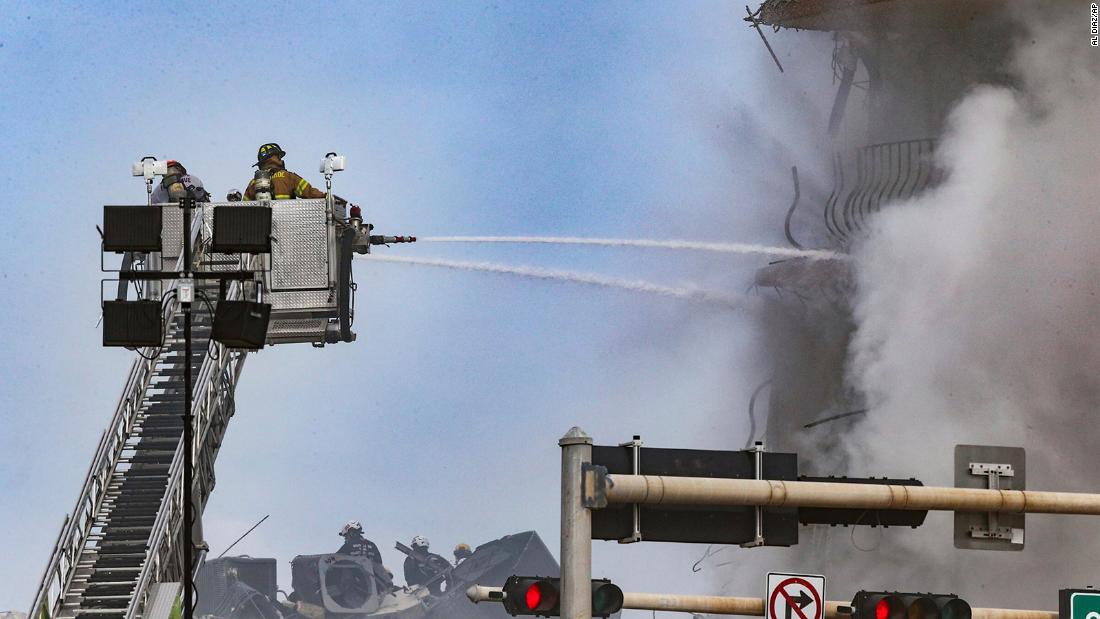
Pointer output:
x,y
576,528
664,490
742,606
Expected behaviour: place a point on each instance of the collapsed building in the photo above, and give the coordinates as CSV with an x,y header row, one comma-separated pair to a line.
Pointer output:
x,y
901,70
899,67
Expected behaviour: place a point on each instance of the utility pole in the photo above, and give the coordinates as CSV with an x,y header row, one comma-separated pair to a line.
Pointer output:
x,y
576,528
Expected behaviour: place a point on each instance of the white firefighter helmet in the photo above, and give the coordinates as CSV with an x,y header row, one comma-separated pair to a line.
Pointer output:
x,y
420,542
351,526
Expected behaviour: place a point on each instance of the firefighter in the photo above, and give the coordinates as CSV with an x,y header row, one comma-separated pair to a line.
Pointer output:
x,y
358,546
177,184
285,184
462,552
423,567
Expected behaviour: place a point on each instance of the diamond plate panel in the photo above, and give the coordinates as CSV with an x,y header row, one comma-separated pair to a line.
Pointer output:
x,y
301,328
300,252
171,235
301,300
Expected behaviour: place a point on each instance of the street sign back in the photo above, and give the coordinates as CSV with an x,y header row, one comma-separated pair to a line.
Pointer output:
x,y
795,596
710,525
988,467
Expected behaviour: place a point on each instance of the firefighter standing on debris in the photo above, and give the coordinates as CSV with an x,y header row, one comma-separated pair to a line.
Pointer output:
x,y
423,567
462,552
285,184
358,546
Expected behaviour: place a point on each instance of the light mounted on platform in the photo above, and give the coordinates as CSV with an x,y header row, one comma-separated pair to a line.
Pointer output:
x,y
132,228
241,324
242,229
333,163
147,168
132,324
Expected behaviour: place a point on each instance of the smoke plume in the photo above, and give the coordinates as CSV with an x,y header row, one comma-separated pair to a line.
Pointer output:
x,y
975,319
977,309
977,303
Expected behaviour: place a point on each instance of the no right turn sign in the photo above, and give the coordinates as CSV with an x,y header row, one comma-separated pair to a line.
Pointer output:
x,y
797,596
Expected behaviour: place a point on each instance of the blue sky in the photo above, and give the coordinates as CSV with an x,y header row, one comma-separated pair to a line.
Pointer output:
x,y
619,119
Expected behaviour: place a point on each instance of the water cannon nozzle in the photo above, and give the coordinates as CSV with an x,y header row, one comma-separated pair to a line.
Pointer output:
x,y
378,239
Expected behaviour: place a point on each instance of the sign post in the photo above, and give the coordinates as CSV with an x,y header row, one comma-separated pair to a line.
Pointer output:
x,y
576,528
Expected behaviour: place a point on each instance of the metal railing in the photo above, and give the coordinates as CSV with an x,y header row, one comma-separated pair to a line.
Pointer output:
x,y
884,173
213,405
80,523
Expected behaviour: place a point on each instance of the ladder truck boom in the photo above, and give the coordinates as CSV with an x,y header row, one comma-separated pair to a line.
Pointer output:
x,y
124,535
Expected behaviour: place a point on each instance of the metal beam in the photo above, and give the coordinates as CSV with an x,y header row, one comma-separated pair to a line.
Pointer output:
x,y
657,490
743,606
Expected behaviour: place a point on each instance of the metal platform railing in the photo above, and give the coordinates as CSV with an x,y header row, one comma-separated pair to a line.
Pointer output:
x,y
125,530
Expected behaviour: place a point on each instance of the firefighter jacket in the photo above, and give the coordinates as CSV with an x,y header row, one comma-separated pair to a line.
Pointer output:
x,y
360,547
286,185
421,567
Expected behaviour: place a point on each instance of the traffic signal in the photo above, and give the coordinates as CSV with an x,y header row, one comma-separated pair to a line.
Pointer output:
x,y
607,598
896,605
527,595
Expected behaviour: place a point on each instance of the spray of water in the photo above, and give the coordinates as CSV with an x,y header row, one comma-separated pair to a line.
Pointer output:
x,y
686,293
725,248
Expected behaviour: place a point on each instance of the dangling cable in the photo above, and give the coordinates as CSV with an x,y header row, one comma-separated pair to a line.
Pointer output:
x,y
790,211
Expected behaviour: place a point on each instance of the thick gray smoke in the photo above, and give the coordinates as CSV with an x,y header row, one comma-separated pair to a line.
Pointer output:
x,y
977,312
976,320
977,309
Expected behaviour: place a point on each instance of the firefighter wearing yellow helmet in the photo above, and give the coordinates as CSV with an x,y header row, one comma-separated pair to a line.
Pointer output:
x,y
462,552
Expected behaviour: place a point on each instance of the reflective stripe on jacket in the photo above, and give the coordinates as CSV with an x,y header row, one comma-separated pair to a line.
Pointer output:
x,y
286,185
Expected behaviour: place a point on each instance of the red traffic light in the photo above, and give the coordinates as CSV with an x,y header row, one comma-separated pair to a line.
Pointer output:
x,y
533,597
895,605
527,595
886,607
882,609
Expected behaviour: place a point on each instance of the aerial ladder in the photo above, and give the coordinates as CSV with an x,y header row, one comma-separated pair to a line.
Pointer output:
x,y
121,548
